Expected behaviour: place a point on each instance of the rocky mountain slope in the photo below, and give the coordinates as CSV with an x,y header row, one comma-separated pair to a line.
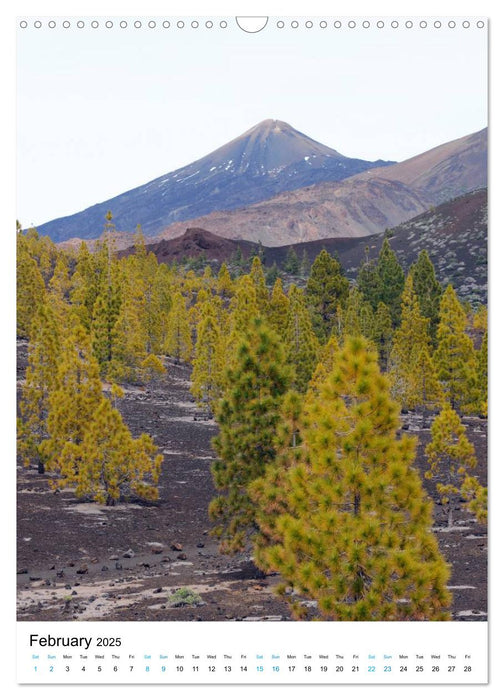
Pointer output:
x,y
359,206
443,172
454,234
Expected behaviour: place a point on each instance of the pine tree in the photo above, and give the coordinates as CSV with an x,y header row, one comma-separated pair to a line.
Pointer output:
x,y
109,464
369,284
325,288
89,448
357,316
59,288
224,281
105,314
40,248
455,358
291,262
451,457
326,364
351,313
278,310
178,341
382,335
208,365
85,285
391,281
412,374
237,261
259,282
300,340
128,340
247,417
30,288
428,290
354,533
148,287
151,368
271,491
72,402
40,380
476,498
482,375
244,306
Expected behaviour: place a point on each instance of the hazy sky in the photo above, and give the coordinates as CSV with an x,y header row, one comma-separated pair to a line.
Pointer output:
x,y
101,111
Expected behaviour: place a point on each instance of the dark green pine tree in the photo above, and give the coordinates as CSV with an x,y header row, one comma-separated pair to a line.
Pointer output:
x,y
428,290
291,262
325,289
391,276
368,282
248,416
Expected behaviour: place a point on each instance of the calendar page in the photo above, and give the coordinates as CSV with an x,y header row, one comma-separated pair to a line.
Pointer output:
x,y
251,342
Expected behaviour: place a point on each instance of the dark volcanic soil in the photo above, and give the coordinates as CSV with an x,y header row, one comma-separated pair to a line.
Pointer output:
x,y
89,562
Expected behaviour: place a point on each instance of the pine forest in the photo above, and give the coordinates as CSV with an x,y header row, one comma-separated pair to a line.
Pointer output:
x,y
285,442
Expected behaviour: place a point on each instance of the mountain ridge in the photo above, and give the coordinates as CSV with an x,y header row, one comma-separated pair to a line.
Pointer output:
x,y
270,158
361,205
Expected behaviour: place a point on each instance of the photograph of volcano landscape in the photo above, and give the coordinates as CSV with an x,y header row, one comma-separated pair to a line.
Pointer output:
x,y
252,387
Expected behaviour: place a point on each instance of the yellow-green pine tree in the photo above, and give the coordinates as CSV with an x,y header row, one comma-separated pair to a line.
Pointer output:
x,y
454,357
225,285
72,403
278,310
413,379
243,308
30,288
40,380
355,535
272,491
259,282
325,366
451,458
85,284
482,375
111,465
178,340
358,317
59,288
207,378
300,340
476,498
129,340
